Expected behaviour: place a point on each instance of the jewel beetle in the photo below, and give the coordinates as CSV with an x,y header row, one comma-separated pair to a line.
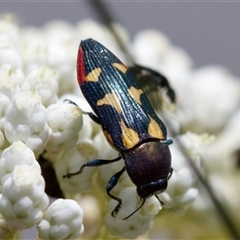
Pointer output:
x,y
128,121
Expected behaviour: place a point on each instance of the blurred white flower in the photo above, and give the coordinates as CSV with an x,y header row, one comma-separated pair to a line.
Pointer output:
x,y
8,55
44,81
213,96
9,43
225,145
153,49
62,220
92,212
9,31
33,49
11,74
62,49
150,47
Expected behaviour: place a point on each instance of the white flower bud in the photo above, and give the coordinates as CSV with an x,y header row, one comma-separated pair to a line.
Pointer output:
x,y
62,220
71,160
23,199
139,223
88,129
6,232
18,153
34,49
65,120
11,75
26,120
9,79
45,81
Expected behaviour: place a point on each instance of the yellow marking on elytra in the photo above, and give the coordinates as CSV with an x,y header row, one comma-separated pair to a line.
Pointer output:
x,y
129,136
108,137
121,67
154,129
135,94
93,76
112,100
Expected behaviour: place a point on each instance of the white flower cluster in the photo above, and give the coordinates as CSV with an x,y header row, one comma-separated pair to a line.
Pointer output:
x,y
26,120
23,199
33,122
37,73
55,223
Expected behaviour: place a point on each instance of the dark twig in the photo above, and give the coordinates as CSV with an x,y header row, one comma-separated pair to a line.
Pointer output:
x,y
108,20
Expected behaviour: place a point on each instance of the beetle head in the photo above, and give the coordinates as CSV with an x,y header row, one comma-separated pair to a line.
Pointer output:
x,y
152,188
149,166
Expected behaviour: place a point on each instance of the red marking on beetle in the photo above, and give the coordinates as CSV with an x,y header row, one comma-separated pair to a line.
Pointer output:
x,y
80,66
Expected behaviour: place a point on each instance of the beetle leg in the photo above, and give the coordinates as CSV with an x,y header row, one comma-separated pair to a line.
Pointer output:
x,y
135,210
90,114
167,141
92,163
93,117
162,203
70,101
150,80
111,184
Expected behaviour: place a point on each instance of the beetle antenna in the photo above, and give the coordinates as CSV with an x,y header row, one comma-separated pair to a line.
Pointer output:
x,y
135,210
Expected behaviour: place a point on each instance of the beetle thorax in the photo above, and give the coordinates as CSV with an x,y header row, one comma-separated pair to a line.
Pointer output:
x,y
149,162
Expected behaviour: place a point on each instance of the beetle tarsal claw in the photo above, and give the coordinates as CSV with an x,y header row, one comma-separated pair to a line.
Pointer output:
x,y
115,211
